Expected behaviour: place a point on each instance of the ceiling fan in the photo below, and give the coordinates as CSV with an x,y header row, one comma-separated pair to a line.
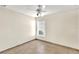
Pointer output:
x,y
40,9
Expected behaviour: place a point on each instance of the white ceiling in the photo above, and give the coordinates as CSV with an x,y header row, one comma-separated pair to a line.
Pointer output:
x,y
30,9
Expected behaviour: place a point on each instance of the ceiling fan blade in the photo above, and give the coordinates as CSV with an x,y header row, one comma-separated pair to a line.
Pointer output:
x,y
3,5
35,10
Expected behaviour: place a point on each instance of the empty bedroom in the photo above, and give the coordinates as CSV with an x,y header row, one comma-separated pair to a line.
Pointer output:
x,y
39,29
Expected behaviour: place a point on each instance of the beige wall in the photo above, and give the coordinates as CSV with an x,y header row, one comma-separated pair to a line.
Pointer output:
x,y
63,28
78,27
15,28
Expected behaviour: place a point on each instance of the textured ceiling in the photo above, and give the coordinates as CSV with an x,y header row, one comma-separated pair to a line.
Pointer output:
x,y
31,9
